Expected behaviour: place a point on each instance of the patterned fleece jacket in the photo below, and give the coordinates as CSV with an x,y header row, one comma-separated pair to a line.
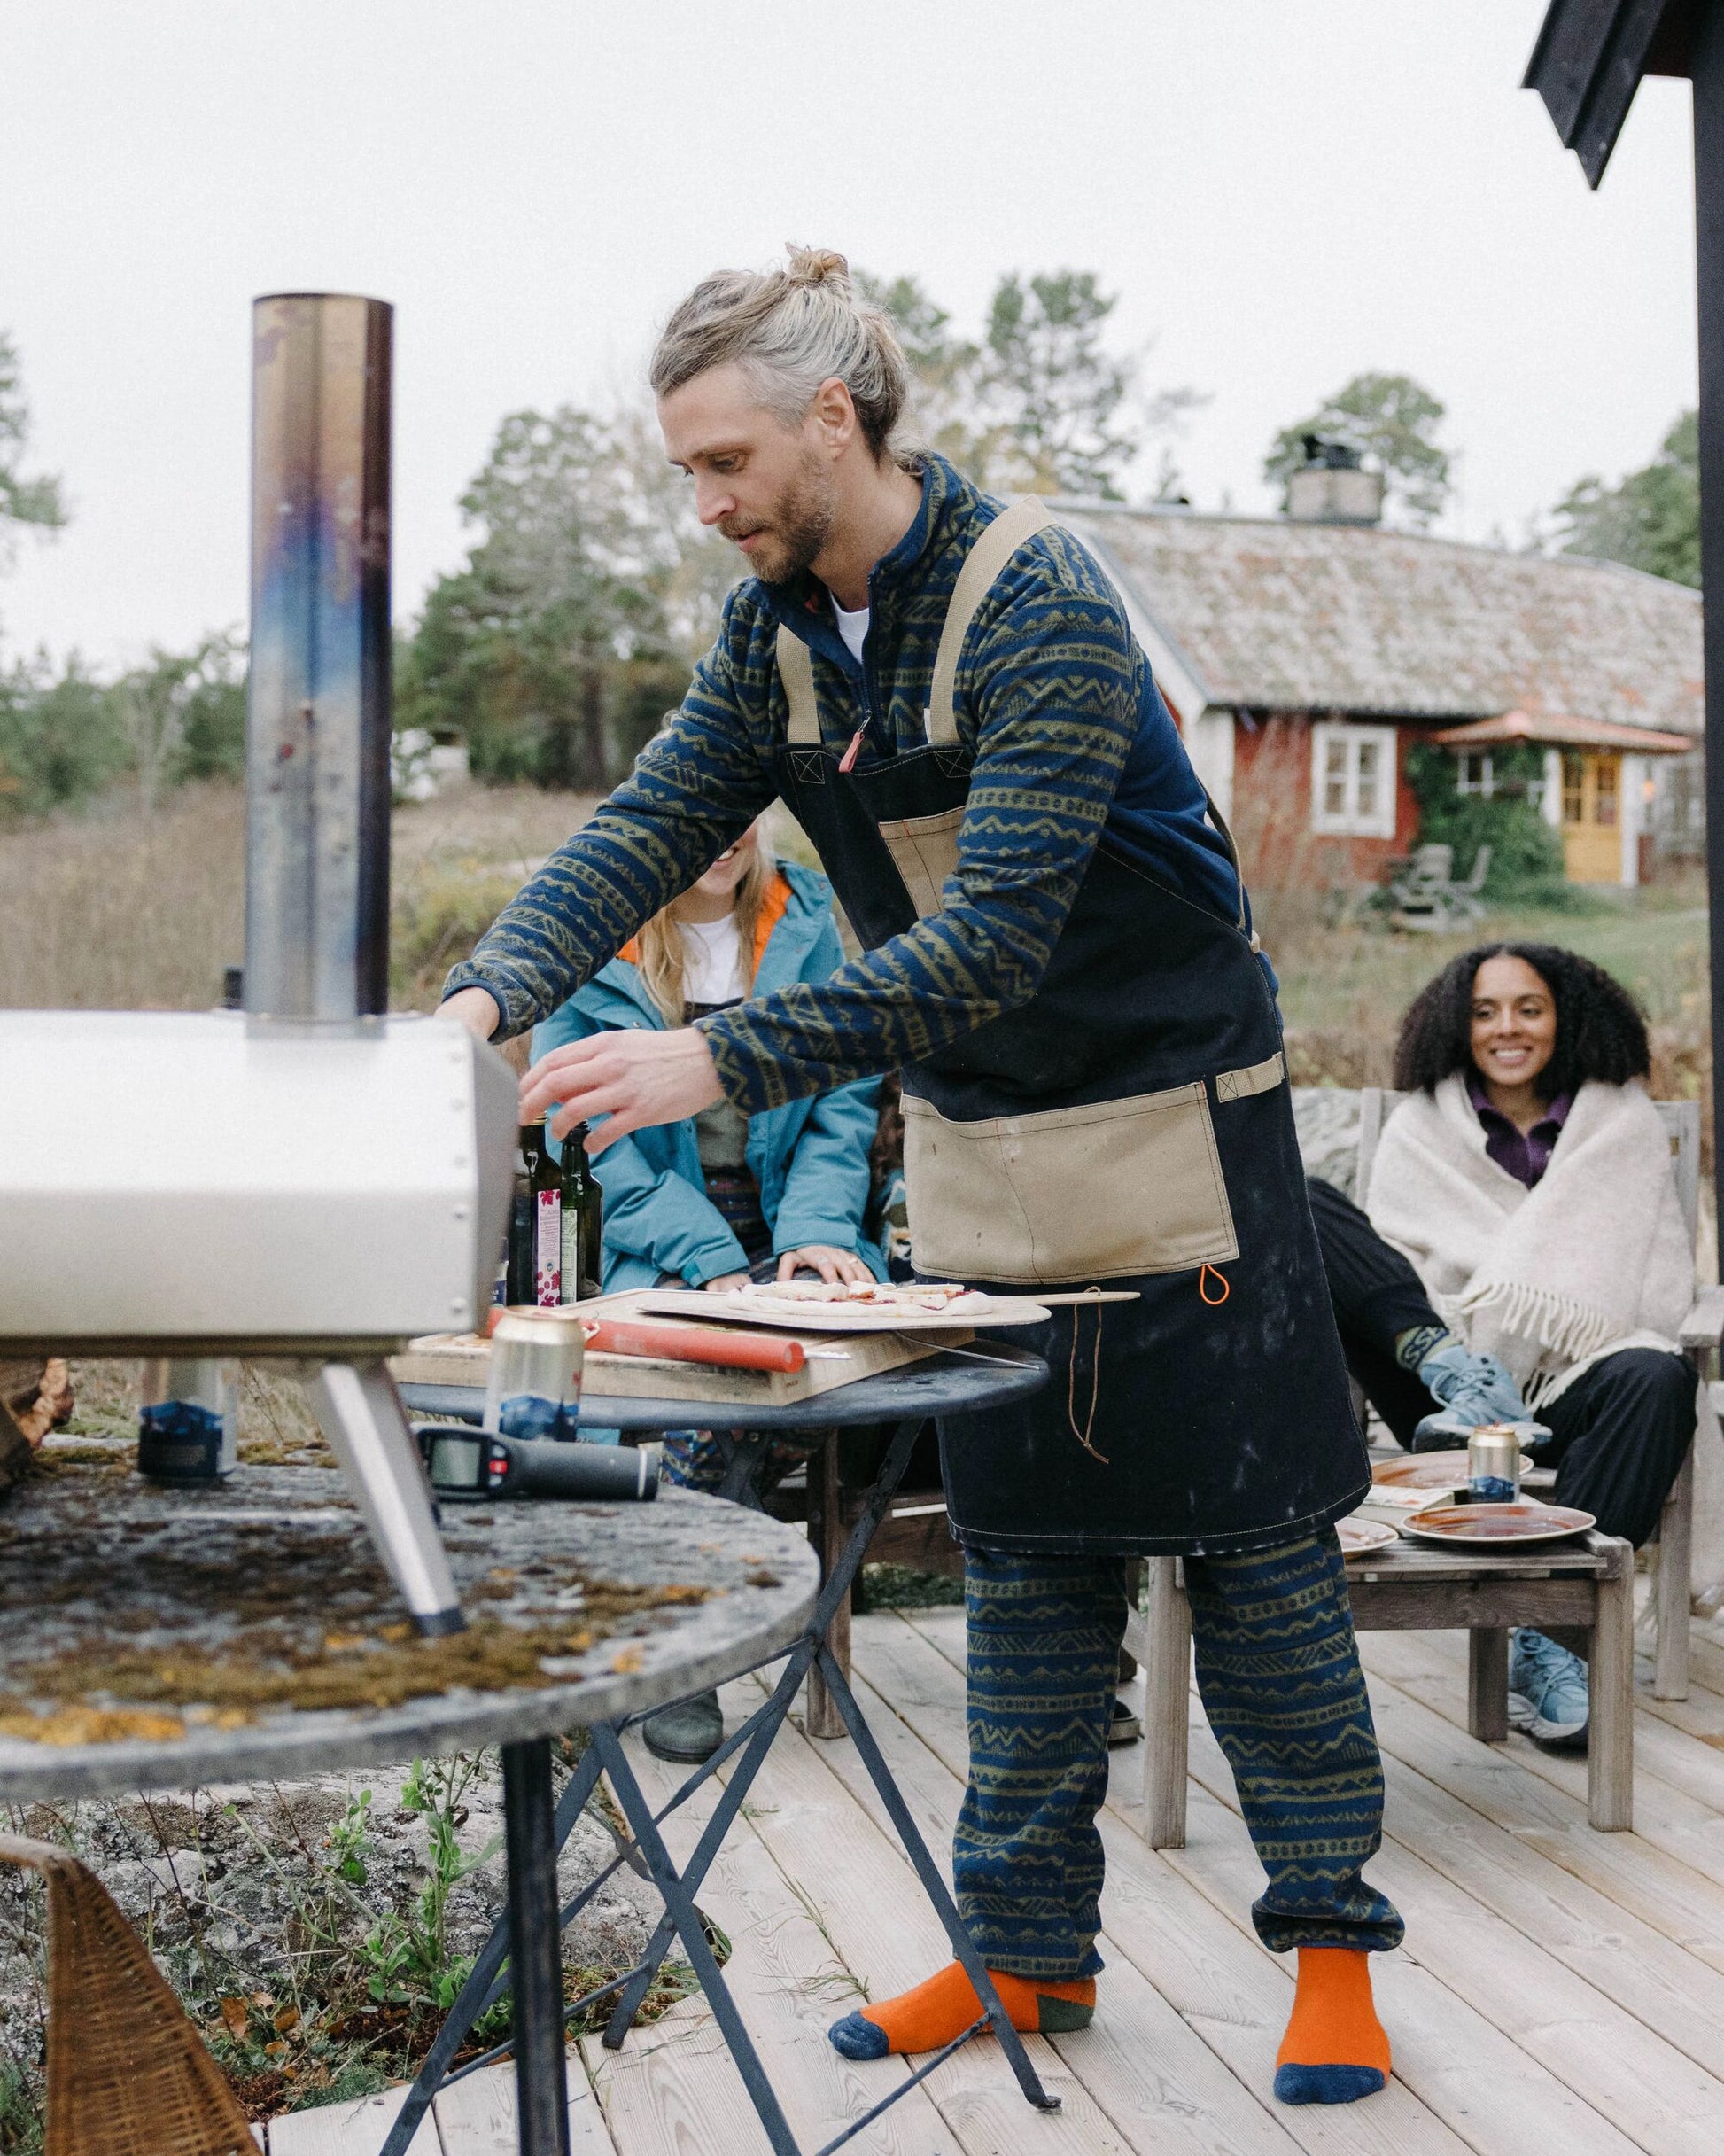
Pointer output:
x,y
1071,742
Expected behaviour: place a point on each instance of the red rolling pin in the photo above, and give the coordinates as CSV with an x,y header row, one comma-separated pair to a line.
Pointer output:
x,y
696,1343
687,1343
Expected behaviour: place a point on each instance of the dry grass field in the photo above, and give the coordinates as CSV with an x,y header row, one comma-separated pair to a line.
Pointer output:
x,y
113,909
116,910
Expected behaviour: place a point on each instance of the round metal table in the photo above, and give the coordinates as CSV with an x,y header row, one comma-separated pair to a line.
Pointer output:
x,y
248,1630
162,1638
954,1381
253,1621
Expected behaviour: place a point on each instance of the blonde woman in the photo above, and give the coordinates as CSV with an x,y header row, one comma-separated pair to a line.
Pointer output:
x,y
722,1194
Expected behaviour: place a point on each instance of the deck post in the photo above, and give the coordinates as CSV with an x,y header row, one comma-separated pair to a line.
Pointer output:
x,y
1708,75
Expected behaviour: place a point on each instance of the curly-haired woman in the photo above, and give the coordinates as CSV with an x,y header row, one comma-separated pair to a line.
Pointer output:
x,y
1525,1243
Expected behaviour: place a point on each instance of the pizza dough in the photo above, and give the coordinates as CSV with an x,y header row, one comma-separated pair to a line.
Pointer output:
x,y
919,1295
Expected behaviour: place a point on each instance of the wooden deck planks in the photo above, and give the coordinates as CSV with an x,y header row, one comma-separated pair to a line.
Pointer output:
x,y
349,2130
1674,1898
1674,1993
1622,2067
875,1912
874,1908
1229,1992
476,2116
1424,1664
790,1981
1469,2071
1497,2108
1560,1988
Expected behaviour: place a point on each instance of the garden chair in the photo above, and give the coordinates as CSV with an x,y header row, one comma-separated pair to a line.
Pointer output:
x,y
1429,899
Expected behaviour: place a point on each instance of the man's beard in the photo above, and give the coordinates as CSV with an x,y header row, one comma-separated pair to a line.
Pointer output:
x,y
796,529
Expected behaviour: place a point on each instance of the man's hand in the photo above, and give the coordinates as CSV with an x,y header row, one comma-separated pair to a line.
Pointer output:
x,y
476,1008
631,1080
723,1282
823,1257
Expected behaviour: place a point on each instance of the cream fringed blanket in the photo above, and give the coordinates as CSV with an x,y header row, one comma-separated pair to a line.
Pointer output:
x,y
1594,1259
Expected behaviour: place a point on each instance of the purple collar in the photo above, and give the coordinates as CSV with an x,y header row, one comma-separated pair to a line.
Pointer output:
x,y
1523,1155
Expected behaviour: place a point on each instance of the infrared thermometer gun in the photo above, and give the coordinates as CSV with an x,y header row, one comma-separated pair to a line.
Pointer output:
x,y
468,1466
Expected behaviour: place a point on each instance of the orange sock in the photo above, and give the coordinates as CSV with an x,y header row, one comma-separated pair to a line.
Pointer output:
x,y
937,2012
1335,2050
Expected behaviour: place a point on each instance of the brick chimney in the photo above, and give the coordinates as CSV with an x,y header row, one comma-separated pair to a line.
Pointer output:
x,y
1332,486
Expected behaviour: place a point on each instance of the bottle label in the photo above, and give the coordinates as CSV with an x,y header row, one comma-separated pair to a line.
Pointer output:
x,y
548,1249
573,1287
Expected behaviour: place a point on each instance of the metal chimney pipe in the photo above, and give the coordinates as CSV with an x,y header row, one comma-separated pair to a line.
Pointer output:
x,y
317,729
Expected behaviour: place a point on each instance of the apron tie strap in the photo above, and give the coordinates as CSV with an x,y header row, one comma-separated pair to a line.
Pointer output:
x,y
1082,1436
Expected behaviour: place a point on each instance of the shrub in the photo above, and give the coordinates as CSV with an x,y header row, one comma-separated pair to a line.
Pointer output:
x,y
60,737
1526,853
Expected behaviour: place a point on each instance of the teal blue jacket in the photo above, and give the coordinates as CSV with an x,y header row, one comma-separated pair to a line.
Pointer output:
x,y
809,1155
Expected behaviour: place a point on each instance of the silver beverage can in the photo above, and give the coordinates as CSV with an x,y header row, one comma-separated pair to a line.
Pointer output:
x,y
533,1386
187,1424
1492,1466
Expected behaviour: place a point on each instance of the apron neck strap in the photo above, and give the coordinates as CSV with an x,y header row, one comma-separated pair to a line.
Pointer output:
x,y
796,670
1220,822
986,558
983,564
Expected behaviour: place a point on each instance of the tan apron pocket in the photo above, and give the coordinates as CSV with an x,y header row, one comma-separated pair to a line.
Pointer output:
x,y
1071,1196
925,850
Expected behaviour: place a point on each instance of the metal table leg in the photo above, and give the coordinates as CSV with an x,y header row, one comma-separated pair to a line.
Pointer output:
x,y
535,2042
832,1593
535,1955
933,1886
680,1905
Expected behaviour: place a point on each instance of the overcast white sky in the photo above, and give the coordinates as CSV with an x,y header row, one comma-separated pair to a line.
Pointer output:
x,y
1284,191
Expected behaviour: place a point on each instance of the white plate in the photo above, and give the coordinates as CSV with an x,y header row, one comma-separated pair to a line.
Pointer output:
x,y
1359,1536
1496,1526
1428,1471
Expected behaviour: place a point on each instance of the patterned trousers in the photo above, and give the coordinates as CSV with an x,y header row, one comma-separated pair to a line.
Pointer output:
x,y
696,1460
1280,1681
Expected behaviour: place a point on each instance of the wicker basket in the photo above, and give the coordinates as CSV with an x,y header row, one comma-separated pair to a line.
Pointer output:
x,y
128,2073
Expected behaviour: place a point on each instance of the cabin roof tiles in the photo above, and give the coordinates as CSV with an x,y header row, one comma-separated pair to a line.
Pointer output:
x,y
1267,614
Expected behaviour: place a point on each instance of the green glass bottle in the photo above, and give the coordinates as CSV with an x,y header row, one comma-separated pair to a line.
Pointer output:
x,y
583,1220
514,1274
545,1186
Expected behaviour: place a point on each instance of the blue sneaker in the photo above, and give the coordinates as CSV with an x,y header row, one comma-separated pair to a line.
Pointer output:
x,y
1473,1389
1547,1693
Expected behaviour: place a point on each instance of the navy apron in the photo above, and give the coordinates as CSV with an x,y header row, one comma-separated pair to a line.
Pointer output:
x,y
1129,1126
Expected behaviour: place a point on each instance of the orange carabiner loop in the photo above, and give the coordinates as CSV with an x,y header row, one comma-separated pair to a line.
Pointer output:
x,y
1203,1279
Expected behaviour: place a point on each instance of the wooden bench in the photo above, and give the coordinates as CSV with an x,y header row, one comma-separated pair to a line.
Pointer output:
x,y
1582,1593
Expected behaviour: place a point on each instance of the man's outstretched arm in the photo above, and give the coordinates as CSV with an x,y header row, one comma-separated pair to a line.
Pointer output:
x,y
694,789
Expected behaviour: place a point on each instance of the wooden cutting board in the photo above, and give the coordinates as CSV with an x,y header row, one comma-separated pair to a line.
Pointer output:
x,y
464,1358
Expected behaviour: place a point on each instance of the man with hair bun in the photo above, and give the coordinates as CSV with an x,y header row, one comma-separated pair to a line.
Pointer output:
x,y
1058,958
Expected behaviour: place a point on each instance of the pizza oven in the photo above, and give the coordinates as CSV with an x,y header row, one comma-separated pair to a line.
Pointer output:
x,y
307,1177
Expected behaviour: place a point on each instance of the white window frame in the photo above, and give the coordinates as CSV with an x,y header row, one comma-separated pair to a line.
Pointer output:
x,y
1351,821
1475,772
